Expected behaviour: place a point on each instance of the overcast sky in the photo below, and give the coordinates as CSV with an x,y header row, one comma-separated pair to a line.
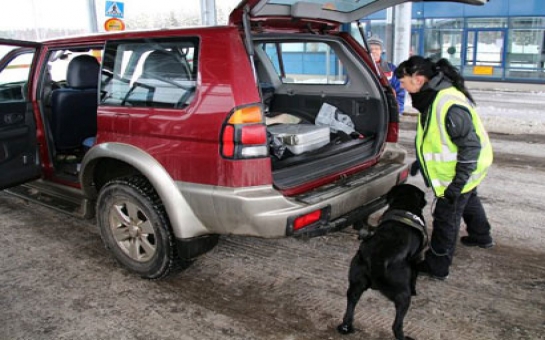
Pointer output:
x,y
20,14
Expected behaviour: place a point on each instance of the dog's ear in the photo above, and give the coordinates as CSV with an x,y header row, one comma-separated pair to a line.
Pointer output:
x,y
422,197
392,194
423,202
408,193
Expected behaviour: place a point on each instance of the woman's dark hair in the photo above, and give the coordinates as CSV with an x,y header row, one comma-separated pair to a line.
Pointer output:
x,y
428,68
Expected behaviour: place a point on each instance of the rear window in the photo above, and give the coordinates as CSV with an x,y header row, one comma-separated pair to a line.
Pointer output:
x,y
151,73
339,6
305,62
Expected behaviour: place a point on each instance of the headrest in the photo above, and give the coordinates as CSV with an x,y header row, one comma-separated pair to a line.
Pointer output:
x,y
164,64
83,72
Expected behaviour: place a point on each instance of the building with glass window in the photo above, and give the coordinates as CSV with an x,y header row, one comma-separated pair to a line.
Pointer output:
x,y
504,40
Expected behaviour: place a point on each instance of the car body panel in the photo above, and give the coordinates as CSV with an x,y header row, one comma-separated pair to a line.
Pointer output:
x,y
181,138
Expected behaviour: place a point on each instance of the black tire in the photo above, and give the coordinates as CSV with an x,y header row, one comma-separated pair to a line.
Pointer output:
x,y
135,228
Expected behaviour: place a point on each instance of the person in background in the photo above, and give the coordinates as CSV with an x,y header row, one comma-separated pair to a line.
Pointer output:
x,y
453,155
377,48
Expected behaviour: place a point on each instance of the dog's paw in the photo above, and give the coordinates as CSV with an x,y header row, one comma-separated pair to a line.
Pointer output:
x,y
345,329
409,338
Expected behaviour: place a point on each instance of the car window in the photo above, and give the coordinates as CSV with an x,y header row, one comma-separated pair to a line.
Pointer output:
x,y
58,62
305,62
157,73
14,77
55,73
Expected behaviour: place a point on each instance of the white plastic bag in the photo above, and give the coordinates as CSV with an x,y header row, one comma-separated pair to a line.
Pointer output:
x,y
330,116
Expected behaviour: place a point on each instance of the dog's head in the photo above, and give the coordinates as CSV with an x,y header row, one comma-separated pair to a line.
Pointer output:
x,y
406,197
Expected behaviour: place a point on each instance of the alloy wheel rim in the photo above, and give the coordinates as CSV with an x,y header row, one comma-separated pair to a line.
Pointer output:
x,y
132,231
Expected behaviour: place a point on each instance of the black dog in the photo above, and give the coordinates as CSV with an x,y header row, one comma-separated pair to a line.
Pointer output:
x,y
386,260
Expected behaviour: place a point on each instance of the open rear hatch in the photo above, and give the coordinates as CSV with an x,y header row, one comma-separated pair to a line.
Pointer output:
x,y
334,12
328,115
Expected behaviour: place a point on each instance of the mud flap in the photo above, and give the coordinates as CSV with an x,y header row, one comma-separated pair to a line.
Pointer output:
x,y
189,249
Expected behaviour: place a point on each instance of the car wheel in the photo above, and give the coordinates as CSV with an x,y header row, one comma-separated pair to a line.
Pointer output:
x,y
134,227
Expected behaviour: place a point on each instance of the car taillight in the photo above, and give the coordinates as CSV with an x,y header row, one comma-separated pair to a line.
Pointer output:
x,y
253,134
245,115
393,132
403,175
308,219
228,145
244,135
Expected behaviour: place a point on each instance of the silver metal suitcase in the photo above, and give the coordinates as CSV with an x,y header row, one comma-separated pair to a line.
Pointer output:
x,y
300,138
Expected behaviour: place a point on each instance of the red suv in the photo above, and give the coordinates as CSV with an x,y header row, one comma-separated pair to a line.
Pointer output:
x,y
277,124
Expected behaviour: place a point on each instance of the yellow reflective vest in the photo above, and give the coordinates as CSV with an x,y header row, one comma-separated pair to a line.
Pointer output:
x,y
438,154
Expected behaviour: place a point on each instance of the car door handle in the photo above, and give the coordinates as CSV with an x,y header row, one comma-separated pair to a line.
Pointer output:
x,y
13,118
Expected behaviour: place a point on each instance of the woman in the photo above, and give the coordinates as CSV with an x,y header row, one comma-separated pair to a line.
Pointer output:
x,y
453,154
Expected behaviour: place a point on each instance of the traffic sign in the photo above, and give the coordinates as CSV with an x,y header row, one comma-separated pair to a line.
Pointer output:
x,y
115,9
114,24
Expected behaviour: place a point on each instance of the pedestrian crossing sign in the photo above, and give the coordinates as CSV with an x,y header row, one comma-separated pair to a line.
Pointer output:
x,y
114,9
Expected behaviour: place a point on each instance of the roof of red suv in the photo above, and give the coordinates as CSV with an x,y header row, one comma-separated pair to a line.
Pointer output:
x,y
100,37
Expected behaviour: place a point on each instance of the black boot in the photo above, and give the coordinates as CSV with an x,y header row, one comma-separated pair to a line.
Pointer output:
x,y
484,243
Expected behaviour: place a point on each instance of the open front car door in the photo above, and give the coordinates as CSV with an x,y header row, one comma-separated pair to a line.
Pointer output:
x,y
19,161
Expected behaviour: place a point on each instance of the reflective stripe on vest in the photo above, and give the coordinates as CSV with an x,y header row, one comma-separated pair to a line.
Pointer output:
x,y
474,178
439,154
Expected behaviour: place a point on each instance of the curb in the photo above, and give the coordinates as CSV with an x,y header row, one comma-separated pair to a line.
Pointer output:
x,y
505,87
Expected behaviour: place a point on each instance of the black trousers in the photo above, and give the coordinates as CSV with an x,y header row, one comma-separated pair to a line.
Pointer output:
x,y
446,225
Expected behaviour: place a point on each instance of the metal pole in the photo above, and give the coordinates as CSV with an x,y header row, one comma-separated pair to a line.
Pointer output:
x,y
93,20
208,12
35,22
327,66
389,35
402,37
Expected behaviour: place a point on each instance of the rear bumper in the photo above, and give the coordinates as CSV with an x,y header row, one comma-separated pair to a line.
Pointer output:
x,y
357,215
264,212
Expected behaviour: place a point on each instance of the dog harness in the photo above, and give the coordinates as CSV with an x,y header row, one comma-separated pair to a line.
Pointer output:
x,y
413,221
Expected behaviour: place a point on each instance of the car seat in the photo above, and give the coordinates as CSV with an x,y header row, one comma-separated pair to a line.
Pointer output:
x,y
74,108
159,83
